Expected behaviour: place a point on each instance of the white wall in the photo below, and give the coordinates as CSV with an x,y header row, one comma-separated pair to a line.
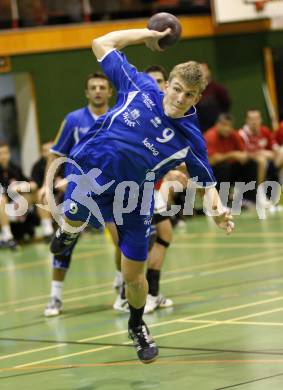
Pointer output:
x,y
226,11
28,127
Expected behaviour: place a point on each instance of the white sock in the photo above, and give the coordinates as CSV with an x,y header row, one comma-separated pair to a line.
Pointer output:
x,y
56,289
119,277
6,233
47,227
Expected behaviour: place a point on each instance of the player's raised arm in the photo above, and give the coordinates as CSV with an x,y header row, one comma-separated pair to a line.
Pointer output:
x,y
122,38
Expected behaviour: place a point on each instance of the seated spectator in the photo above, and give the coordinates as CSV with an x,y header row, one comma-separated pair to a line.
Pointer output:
x,y
32,13
9,175
226,153
37,176
262,148
215,100
279,155
260,144
61,11
5,14
279,134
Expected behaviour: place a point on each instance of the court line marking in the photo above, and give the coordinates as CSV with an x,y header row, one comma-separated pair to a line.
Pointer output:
x,y
197,267
221,270
34,264
106,284
229,245
67,292
235,322
212,324
164,281
130,363
235,235
186,330
231,308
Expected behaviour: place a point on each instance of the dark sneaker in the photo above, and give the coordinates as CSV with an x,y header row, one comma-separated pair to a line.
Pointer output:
x,y
62,241
47,239
146,348
9,244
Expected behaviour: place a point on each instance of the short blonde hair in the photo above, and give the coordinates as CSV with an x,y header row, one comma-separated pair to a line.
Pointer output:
x,y
191,73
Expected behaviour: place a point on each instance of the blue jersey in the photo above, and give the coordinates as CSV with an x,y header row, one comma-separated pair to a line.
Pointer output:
x,y
72,129
136,136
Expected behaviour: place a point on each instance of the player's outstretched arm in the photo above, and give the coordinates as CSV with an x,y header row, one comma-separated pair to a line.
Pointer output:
x,y
122,38
222,217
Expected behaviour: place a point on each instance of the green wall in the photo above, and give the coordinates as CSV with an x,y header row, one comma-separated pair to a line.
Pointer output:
x,y
236,61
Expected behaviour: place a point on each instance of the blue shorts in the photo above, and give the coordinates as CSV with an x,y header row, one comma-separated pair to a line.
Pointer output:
x,y
96,210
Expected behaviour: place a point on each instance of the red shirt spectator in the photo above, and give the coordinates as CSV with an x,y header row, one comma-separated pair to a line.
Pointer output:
x,y
217,143
256,136
279,134
261,140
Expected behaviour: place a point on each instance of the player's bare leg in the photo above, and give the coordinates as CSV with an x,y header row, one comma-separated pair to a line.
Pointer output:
x,y
136,293
7,236
164,233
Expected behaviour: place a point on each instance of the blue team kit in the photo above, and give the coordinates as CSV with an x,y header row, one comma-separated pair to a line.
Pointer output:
x,y
133,141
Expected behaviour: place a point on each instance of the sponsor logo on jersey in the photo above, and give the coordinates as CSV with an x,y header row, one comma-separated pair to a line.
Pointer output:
x,y
150,146
147,220
130,117
156,121
73,208
147,101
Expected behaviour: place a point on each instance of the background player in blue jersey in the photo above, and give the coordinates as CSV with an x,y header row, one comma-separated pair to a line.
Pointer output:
x,y
98,91
124,150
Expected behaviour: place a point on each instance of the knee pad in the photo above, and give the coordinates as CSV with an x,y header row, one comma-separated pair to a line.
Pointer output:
x,y
162,242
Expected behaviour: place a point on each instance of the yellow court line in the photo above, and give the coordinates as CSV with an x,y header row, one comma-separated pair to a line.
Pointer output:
x,y
137,363
260,323
247,265
231,322
236,234
67,292
187,330
17,354
229,245
165,281
37,306
231,268
190,268
65,356
212,324
34,264
261,313
225,262
237,319
232,308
